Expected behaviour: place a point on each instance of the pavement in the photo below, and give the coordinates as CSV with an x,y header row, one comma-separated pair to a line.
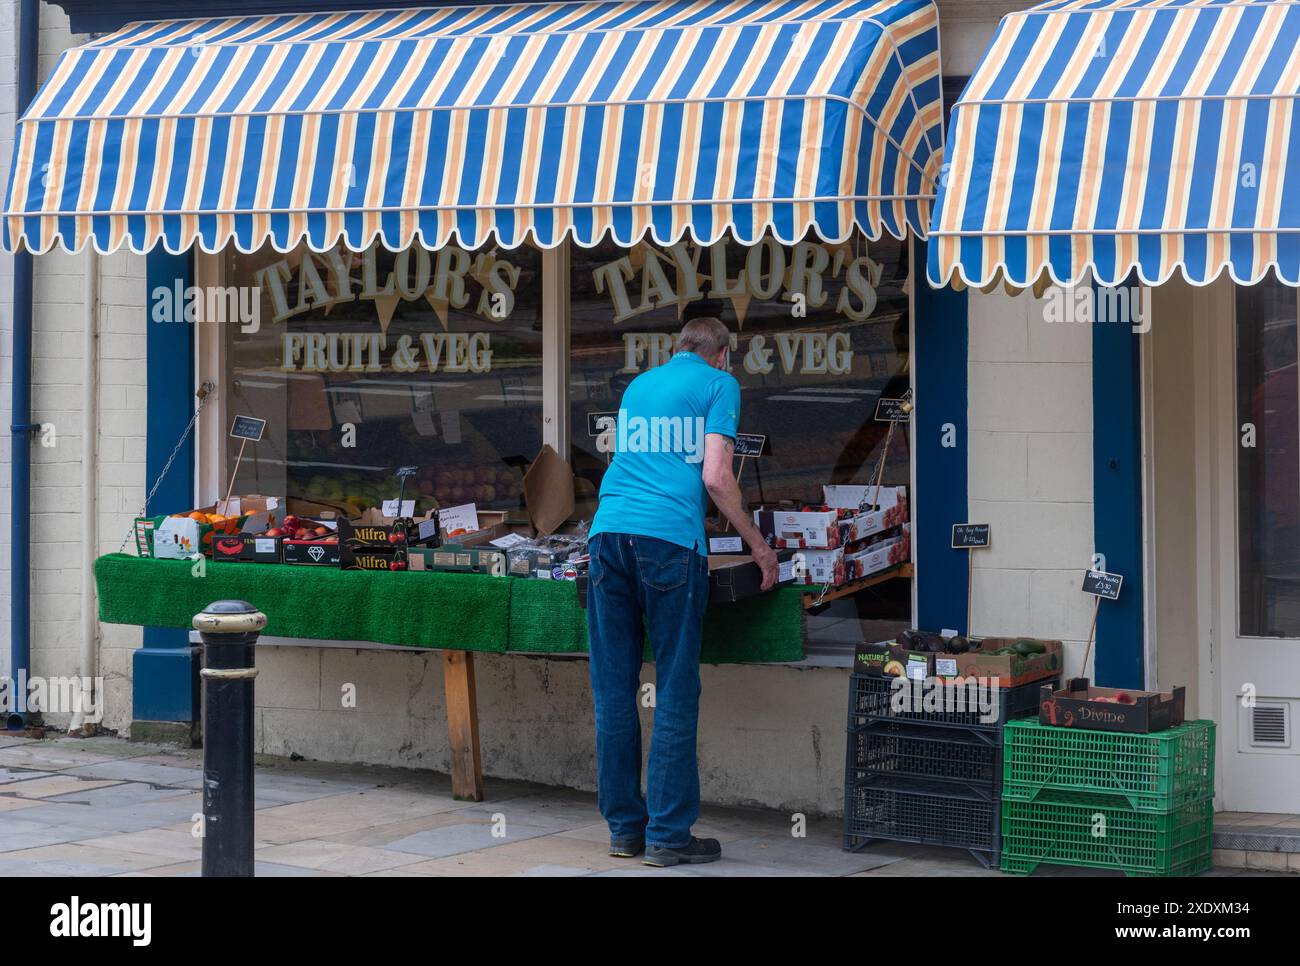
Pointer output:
x,y
104,806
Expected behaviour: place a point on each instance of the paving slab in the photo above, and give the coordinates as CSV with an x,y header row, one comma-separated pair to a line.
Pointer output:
x,y
130,770
465,837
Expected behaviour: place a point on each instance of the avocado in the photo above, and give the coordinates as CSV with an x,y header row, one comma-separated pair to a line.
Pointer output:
x,y
1026,647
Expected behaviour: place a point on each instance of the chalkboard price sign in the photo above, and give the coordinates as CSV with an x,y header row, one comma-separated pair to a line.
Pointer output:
x,y
893,410
598,424
248,427
1098,583
968,536
749,444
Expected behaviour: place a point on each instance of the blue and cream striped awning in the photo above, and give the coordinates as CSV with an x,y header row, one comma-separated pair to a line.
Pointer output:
x,y
1108,136
510,123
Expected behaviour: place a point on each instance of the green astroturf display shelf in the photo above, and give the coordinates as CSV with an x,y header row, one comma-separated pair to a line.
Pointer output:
x,y
471,612
1153,773
1061,828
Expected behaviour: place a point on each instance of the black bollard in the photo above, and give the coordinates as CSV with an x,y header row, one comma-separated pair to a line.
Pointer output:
x,y
229,629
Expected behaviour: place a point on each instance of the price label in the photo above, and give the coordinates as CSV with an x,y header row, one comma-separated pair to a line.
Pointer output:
x,y
750,444
1098,583
248,427
598,424
966,536
893,410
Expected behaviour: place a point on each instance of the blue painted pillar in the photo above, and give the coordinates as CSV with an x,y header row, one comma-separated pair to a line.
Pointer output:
x,y
1117,497
165,671
939,353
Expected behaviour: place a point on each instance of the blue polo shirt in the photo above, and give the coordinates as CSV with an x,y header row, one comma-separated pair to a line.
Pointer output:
x,y
655,485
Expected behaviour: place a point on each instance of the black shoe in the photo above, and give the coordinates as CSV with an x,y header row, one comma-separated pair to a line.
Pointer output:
x,y
695,852
626,848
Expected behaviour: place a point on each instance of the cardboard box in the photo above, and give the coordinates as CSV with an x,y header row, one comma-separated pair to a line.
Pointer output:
x,y
880,555
820,567
890,659
798,530
455,559
374,531
1011,670
1077,706
891,512
733,578
371,558
311,553
144,529
530,561
246,548
548,491
179,537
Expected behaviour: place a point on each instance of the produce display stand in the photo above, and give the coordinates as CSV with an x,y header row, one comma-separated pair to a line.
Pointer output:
x,y
813,599
457,613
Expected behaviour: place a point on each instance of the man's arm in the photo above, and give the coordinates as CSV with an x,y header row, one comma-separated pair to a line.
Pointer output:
x,y
725,492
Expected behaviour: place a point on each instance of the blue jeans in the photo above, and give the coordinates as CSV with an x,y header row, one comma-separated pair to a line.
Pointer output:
x,y
634,579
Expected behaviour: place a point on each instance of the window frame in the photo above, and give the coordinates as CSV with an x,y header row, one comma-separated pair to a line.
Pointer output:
x,y
212,365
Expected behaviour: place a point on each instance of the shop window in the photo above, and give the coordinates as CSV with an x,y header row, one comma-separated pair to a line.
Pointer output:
x,y
362,363
1268,464
820,333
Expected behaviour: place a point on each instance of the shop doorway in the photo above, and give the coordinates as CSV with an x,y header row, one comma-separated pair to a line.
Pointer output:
x,y
1259,522
1224,412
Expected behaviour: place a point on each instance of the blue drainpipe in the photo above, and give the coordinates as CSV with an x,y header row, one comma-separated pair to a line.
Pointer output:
x,y
20,647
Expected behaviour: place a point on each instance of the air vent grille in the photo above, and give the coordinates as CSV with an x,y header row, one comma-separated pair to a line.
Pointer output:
x,y
1270,726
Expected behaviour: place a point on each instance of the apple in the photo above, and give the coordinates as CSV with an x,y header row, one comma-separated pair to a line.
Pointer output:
x,y
275,532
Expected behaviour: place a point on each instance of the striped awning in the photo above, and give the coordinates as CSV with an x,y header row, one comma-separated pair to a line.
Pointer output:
x,y
507,123
1108,136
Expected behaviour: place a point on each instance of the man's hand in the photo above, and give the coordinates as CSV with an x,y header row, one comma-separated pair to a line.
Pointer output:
x,y
765,557
722,486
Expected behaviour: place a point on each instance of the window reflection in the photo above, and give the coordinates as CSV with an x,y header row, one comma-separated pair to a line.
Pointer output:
x,y
1269,461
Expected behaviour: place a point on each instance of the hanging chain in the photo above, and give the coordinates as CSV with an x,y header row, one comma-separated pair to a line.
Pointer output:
x,y
205,392
879,475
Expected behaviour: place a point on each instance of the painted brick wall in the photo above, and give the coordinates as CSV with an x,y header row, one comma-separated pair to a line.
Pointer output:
x,y
59,398
1030,468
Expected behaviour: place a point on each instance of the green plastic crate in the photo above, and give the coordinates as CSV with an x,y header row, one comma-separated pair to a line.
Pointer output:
x,y
1064,829
1155,773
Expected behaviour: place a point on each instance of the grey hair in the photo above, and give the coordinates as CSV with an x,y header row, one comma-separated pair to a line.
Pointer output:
x,y
703,336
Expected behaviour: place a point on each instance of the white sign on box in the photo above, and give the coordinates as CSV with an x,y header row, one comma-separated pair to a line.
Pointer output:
x,y
392,509
509,540
463,517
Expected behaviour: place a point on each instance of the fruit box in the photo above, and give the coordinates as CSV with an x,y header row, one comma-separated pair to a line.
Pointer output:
x,y
890,660
310,553
889,509
373,530
1011,669
454,559
260,542
880,555
820,567
1078,705
180,536
733,577
797,529
372,558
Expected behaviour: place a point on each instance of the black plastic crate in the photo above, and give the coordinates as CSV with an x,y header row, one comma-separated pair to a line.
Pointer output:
x,y
923,812
873,698
920,751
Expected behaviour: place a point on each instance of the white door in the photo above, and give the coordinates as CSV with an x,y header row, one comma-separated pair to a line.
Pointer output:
x,y
1254,416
